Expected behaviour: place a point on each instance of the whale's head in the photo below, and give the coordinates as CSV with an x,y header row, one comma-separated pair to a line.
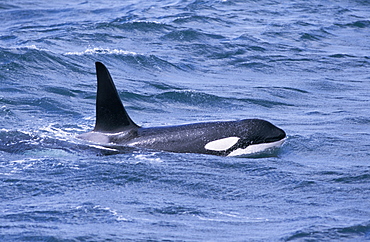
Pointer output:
x,y
245,137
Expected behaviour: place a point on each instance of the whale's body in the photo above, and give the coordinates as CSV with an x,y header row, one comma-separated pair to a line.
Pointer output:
x,y
114,127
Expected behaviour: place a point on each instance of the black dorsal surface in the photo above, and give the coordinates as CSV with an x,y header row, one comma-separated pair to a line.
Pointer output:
x,y
111,116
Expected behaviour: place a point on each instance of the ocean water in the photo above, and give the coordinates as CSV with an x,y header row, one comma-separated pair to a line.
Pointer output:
x,y
303,65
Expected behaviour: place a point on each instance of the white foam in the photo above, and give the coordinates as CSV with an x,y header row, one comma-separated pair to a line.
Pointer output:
x,y
147,158
257,148
97,50
95,137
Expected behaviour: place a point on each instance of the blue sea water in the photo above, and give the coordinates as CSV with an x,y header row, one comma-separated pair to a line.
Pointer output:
x,y
303,65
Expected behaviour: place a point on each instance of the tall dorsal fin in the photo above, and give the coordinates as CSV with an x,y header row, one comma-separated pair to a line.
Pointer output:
x,y
111,116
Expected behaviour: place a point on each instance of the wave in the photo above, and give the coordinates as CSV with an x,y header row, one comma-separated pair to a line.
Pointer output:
x,y
125,24
317,232
190,35
52,142
356,24
131,58
20,60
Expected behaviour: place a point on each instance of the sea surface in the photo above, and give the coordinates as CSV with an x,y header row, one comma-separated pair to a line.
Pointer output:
x,y
302,65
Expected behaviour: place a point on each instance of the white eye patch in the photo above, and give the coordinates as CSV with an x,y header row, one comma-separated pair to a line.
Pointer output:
x,y
221,144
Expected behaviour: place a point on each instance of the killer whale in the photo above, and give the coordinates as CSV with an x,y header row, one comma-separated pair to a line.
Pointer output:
x,y
114,127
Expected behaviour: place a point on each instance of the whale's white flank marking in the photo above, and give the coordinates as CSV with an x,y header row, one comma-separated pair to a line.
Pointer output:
x,y
251,149
221,144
